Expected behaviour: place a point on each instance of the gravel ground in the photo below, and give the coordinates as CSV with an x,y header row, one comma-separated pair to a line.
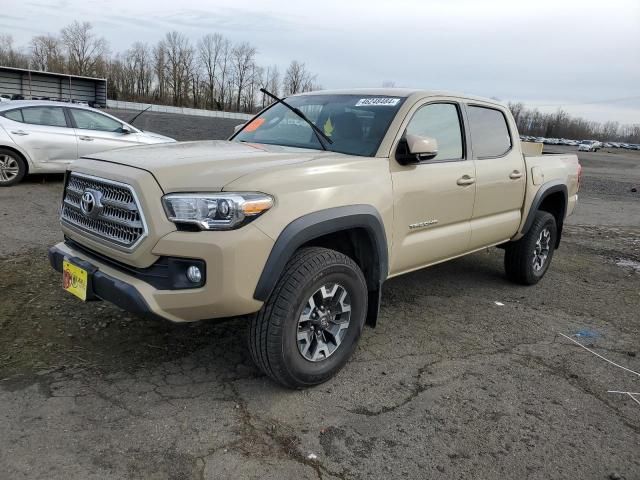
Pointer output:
x,y
449,385
180,127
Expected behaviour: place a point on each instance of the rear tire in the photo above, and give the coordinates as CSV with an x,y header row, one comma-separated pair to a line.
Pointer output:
x,y
13,168
310,325
527,260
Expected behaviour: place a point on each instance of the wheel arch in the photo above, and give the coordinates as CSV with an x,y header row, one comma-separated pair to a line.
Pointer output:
x,y
354,230
552,197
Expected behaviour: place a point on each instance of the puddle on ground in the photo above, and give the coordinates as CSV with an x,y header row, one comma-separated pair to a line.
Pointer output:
x,y
629,264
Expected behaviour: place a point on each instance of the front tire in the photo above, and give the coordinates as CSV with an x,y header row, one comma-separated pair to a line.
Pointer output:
x,y
13,168
528,259
310,325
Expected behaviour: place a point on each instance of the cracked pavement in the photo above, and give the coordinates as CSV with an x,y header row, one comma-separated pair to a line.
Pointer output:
x,y
449,385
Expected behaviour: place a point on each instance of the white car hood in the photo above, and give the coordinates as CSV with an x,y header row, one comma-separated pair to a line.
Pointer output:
x,y
153,137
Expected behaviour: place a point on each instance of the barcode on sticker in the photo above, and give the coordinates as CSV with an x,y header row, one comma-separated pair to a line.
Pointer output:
x,y
378,101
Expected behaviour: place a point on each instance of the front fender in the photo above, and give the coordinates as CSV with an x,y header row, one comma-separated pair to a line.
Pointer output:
x,y
317,224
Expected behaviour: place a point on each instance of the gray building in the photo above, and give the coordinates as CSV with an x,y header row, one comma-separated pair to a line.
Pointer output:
x,y
32,84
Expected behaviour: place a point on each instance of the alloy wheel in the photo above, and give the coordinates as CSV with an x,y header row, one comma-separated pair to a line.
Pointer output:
x,y
324,322
541,250
9,168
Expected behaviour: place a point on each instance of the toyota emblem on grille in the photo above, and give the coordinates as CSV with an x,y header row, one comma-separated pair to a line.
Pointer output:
x,y
90,203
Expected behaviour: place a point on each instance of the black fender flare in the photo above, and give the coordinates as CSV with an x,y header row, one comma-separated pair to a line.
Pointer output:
x,y
317,224
543,192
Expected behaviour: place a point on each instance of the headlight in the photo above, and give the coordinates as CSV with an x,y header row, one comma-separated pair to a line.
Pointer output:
x,y
219,211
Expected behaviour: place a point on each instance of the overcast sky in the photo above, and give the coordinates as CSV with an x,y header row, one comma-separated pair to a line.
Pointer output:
x,y
543,52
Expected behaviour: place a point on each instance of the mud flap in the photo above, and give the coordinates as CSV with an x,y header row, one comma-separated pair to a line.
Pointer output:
x,y
373,306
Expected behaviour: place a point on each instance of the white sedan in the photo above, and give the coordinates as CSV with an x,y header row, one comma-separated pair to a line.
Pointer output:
x,y
45,137
589,146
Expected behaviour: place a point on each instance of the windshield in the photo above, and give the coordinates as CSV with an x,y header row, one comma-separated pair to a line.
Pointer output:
x,y
355,123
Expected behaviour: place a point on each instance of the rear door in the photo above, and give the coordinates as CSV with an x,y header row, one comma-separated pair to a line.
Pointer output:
x,y
500,176
433,200
44,133
97,132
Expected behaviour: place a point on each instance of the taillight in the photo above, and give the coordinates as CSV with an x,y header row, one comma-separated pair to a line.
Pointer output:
x,y
579,177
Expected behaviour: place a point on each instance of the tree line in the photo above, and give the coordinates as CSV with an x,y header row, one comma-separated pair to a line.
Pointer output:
x,y
562,125
212,73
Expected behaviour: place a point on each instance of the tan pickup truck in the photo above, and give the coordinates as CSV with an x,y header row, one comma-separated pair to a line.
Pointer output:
x,y
298,219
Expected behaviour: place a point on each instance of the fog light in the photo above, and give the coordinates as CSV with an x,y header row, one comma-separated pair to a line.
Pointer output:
x,y
194,274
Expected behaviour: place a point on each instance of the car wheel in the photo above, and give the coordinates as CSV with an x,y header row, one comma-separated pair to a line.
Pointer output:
x,y
12,168
310,325
527,260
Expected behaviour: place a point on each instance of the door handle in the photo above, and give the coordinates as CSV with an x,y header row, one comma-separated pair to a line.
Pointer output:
x,y
465,180
86,139
20,132
515,175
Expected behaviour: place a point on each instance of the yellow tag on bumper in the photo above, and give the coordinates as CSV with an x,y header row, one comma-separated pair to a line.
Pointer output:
x,y
74,280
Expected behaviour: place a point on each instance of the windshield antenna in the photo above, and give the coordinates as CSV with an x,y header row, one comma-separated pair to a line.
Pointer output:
x,y
134,118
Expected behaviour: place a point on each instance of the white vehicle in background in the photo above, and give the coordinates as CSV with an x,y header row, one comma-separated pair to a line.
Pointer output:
x,y
589,146
5,98
45,137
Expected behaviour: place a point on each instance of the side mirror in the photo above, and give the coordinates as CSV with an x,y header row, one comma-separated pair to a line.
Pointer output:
x,y
415,149
237,128
125,130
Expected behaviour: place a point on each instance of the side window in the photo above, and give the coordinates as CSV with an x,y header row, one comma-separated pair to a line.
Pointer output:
x,y
442,122
52,116
89,120
15,115
489,132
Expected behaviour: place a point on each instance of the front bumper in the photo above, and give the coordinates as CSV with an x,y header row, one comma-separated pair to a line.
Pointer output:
x,y
103,286
234,261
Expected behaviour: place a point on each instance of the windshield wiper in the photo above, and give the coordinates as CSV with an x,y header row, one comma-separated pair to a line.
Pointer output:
x,y
319,133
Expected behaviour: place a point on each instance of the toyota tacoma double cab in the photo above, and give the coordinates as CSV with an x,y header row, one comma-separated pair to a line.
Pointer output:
x,y
298,219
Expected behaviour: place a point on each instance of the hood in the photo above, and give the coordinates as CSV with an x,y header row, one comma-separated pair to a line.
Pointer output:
x,y
153,137
205,165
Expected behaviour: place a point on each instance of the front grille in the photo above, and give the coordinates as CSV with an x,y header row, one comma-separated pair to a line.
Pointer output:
x,y
117,219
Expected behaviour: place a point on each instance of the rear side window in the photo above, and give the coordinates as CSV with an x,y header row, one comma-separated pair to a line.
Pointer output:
x,y
489,132
15,115
442,122
51,116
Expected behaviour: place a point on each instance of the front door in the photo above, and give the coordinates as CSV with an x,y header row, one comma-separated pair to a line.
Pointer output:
x,y
97,132
433,200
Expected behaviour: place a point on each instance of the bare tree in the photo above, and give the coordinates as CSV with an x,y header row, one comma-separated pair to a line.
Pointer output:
x,y
84,50
224,69
159,67
269,80
9,55
298,79
139,59
254,82
273,82
242,58
179,63
46,54
210,51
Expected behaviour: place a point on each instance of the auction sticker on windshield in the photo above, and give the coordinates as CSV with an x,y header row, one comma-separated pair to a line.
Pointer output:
x,y
377,102
74,280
